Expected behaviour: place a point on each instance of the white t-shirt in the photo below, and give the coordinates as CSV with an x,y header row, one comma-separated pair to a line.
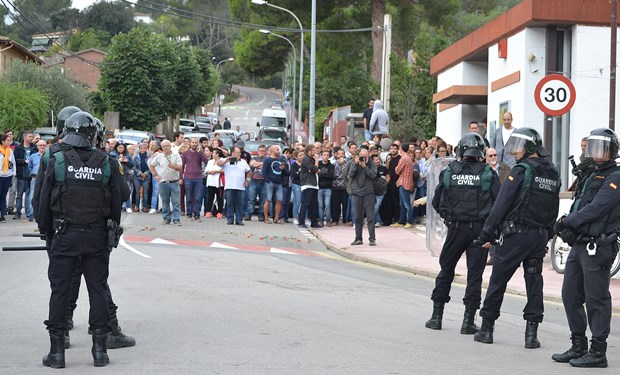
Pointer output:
x,y
160,163
213,179
506,134
235,175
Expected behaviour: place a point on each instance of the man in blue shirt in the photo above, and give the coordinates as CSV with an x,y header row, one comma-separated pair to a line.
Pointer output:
x,y
33,166
273,170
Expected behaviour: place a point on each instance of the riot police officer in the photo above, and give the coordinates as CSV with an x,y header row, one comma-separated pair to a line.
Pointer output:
x,y
78,196
591,229
463,198
523,215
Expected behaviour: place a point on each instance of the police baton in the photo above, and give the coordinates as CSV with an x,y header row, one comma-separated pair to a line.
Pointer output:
x,y
28,248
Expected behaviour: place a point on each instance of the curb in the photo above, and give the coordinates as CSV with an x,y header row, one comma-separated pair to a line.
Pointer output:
x,y
428,273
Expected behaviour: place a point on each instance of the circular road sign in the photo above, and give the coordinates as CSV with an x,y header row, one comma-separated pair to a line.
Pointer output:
x,y
555,95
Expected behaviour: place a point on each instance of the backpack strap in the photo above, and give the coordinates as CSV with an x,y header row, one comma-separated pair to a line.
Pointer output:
x,y
59,167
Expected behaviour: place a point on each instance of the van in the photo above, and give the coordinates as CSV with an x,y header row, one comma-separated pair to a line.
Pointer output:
x,y
274,118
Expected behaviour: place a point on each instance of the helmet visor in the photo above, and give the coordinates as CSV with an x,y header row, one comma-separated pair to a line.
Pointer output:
x,y
598,146
516,142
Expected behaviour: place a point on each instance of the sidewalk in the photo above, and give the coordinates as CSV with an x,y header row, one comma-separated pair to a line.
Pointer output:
x,y
405,249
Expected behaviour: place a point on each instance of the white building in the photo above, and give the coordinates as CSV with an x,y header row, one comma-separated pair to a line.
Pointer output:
x,y
497,67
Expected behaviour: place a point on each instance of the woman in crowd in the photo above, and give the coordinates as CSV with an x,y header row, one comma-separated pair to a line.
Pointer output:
x,y
215,185
122,154
141,179
7,171
296,184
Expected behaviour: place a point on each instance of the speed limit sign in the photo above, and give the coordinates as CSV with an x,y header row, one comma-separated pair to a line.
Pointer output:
x,y
555,95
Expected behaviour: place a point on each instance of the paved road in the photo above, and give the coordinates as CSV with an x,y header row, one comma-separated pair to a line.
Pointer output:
x,y
247,112
214,310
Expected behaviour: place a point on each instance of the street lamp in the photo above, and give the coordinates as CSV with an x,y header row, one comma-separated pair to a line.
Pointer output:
x,y
294,73
301,53
217,68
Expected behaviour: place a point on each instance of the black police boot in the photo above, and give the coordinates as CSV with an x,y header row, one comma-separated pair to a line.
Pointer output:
x,y
485,334
469,327
56,357
100,353
117,339
435,321
579,348
531,335
67,339
595,357
70,320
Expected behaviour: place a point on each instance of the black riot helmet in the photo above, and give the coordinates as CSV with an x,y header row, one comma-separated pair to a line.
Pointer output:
x,y
602,144
528,139
62,116
472,144
100,142
80,130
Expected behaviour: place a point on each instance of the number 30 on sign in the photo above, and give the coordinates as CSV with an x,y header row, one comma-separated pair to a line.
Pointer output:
x,y
555,95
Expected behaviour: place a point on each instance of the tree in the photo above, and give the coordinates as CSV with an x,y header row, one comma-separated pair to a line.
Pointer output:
x,y
22,108
61,90
112,17
65,19
34,16
89,38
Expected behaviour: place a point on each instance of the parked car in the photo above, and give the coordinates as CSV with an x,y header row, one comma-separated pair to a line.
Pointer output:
x,y
204,124
246,136
277,104
252,146
133,137
226,139
187,125
213,116
273,134
190,135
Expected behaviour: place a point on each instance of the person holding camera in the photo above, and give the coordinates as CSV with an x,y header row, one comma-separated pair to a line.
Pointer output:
x,y
361,174
237,176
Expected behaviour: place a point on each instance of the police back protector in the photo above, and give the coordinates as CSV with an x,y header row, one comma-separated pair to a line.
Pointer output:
x,y
603,224
466,195
538,201
81,194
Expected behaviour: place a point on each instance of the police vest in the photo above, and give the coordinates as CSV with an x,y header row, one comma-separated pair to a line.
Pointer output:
x,y
538,201
82,193
48,153
466,196
604,224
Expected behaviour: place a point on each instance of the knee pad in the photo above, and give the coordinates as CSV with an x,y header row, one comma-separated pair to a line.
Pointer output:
x,y
533,265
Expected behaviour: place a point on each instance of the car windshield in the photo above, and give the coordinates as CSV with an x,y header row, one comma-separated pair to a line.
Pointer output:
x,y
273,134
203,119
130,138
273,121
186,122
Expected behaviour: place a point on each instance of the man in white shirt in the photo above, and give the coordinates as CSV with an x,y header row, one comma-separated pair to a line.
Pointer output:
x,y
501,138
179,140
237,178
166,167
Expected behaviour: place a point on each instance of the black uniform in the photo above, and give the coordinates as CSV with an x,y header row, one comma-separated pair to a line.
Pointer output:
x,y
586,278
524,213
464,203
74,212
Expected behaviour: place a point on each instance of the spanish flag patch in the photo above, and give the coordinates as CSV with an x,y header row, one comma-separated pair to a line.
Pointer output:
x,y
613,186
510,178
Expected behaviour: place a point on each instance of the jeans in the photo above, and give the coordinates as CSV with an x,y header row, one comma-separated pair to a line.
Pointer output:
x,y
273,192
23,189
367,135
5,185
170,192
378,201
234,205
193,191
255,189
325,205
350,212
420,192
33,183
127,204
144,184
155,194
296,199
406,209
308,206
340,200
286,192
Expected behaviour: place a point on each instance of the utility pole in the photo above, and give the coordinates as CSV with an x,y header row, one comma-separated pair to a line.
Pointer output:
x,y
612,64
385,63
312,74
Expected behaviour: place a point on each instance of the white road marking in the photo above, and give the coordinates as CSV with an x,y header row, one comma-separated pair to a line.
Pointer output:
x,y
162,242
222,246
280,251
246,114
131,248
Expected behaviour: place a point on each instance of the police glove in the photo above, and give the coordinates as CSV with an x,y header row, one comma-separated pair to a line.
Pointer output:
x,y
559,226
486,237
567,235
49,237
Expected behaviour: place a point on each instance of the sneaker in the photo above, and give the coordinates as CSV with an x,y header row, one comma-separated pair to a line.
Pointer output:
x,y
145,210
331,224
2,219
183,214
208,215
349,224
316,226
397,225
302,226
247,218
177,223
152,211
308,222
378,225
190,218
357,242
230,223
10,211
17,217
219,216
240,224
295,222
197,218
128,210
373,243
408,226
166,221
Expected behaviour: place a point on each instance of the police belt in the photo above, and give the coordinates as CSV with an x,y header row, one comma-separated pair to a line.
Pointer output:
x,y
462,224
168,182
509,227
